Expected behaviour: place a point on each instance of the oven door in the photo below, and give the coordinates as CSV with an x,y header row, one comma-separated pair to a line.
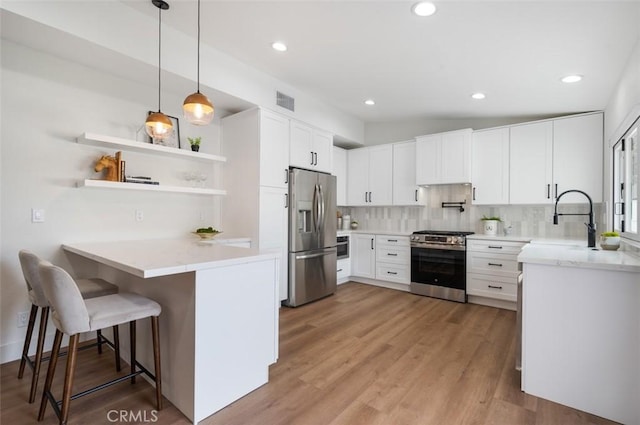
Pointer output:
x,y
439,272
343,247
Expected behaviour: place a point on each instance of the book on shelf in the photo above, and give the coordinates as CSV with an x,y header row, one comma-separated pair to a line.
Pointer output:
x,y
141,181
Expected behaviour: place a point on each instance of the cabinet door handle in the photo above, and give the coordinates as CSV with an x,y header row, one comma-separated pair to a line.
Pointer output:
x,y
556,195
311,158
474,194
392,272
339,270
286,200
495,247
365,197
548,191
416,195
390,254
369,196
315,158
372,243
286,176
392,240
495,287
495,264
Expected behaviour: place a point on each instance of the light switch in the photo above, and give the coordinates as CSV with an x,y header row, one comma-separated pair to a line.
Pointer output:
x,y
139,215
37,215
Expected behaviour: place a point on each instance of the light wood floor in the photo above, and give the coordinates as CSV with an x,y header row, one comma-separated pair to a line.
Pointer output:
x,y
365,355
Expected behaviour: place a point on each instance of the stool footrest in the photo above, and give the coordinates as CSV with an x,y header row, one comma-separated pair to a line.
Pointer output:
x,y
31,363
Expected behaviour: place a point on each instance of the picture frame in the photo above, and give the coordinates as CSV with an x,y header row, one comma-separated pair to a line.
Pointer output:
x,y
173,139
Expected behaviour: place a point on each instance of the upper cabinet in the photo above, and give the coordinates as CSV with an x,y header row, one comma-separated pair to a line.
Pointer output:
x,y
274,150
550,157
340,171
405,191
369,176
310,148
444,158
490,167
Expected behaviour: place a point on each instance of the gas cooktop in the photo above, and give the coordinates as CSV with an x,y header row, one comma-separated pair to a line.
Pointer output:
x,y
442,232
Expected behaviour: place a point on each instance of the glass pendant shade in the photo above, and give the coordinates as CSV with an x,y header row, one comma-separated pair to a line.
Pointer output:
x,y
158,125
198,109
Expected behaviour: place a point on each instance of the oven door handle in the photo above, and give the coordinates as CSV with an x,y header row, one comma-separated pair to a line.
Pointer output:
x,y
439,247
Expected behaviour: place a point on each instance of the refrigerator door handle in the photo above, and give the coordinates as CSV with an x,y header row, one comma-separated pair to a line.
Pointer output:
x,y
322,210
315,255
316,209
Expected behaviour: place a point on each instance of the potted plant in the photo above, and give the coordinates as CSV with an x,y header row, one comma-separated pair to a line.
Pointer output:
x,y
610,240
490,225
195,143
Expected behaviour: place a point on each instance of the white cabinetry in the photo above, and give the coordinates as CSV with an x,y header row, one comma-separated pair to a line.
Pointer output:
x,y
343,270
549,157
370,175
444,158
310,148
340,171
405,191
490,167
492,271
256,143
363,255
393,259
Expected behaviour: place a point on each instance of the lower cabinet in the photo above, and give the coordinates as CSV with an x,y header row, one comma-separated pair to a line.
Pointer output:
x,y
393,259
363,255
343,270
493,271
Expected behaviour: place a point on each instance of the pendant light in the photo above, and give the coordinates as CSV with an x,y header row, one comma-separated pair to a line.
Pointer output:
x,y
197,108
158,125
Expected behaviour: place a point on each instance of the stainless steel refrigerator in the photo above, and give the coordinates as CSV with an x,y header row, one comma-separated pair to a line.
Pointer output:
x,y
312,236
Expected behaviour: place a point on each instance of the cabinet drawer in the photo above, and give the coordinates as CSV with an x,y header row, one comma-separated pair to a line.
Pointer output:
x,y
402,241
396,255
499,288
493,264
393,273
498,246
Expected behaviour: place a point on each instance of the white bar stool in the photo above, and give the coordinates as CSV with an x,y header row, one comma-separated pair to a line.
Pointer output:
x,y
72,316
89,288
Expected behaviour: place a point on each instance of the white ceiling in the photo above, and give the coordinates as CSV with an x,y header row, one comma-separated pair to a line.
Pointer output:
x,y
344,52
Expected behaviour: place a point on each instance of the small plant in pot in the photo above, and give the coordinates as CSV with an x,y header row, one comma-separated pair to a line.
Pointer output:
x,y
610,241
490,225
195,143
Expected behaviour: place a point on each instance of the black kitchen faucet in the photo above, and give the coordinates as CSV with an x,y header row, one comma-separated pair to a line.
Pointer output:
x,y
591,227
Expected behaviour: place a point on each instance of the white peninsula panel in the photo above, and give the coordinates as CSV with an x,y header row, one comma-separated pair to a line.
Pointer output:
x,y
219,320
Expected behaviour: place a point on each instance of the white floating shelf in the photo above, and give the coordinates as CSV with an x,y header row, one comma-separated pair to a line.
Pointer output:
x,y
104,184
133,145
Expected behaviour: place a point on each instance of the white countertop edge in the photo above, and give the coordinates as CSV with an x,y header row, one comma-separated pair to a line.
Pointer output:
x,y
376,232
579,256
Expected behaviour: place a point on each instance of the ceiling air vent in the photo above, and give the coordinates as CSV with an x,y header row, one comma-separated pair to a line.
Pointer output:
x,y
285,101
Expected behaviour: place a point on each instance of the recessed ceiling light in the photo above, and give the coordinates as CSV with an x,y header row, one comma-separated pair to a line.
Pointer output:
x,y
370,102
424,8
478,96
572,78
279,46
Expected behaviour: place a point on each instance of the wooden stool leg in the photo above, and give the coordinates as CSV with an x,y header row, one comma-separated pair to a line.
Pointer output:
x,y
156,360
68,377
132,345
44,317
27,339
55,350
116,342
99,339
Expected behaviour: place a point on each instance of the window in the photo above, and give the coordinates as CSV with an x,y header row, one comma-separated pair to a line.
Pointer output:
x,y
626,182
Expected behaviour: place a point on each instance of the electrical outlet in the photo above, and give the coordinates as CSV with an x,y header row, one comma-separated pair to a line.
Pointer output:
x,y
139,215
37,215
23,319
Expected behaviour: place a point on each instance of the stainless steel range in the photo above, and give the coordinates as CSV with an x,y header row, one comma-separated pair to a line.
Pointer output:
x,y
438,264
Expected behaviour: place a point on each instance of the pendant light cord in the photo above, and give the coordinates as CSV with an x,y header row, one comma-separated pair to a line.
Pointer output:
x,y
198,46
159,52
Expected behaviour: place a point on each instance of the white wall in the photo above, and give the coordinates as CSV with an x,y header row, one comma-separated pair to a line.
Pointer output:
x,y
46,103
376,133
622,110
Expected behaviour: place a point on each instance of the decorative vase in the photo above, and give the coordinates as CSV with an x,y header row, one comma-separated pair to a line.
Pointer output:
x,y
195,148
490,227
610,243
354,225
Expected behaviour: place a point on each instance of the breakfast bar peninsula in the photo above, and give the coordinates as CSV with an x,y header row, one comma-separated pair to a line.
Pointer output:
x,y
219,321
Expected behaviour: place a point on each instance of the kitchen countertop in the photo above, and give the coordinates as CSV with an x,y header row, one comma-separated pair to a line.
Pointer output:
x,y
161,257
375,232
578,255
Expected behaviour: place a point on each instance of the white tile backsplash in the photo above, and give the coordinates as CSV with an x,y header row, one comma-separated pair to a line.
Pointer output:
x,y
525,220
